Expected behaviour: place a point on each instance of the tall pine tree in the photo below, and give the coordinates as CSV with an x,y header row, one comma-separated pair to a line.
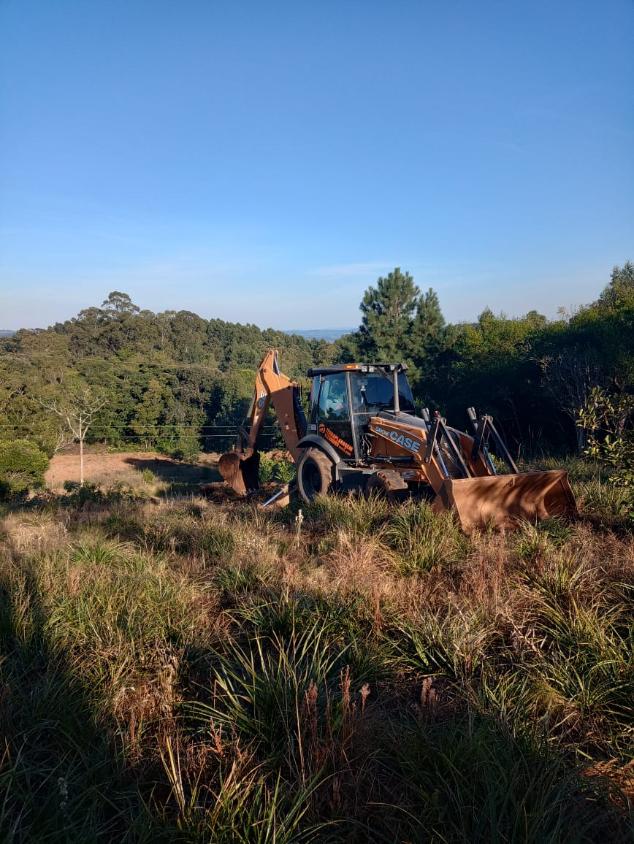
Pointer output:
x,y
388,310
428,328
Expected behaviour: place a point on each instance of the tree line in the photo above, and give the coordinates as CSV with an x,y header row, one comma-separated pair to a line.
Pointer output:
x,y
176,382
170,381
533,374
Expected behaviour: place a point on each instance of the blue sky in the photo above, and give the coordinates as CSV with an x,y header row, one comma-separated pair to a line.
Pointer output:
x,y
265,162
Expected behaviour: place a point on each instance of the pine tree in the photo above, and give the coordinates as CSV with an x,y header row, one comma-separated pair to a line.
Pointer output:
x,y
388,310
428,328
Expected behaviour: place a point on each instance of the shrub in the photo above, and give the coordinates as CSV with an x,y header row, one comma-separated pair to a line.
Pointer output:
x,y
79,494
22,467
276,471
187,449
609,419
148,476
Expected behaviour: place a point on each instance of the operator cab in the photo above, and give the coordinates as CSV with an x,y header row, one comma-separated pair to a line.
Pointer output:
x,y
343,398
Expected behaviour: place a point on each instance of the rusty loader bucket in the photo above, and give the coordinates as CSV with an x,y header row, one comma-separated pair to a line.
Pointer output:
x,y
503,500
240,470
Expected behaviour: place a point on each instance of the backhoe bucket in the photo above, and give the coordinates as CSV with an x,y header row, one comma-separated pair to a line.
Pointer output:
x,y
503,500
240,472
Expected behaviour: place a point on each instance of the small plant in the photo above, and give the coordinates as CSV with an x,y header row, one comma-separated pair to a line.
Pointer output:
x,y
22,467
98,552
148,476
234,579
531,543
274,470
446,644
608,502
261,688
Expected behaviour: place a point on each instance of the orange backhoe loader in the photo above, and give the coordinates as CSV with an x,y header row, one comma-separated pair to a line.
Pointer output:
x,y
363,433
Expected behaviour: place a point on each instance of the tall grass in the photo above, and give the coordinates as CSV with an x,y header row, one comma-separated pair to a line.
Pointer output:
x,y
189,671
422,539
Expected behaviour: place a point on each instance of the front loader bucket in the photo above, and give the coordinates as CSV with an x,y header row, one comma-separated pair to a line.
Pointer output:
x,y
240,472
502,500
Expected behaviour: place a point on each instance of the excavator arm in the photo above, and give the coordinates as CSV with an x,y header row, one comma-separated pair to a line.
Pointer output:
x,y
240,467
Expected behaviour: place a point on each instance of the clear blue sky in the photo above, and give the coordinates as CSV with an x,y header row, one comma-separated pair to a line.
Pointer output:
x,y
265,162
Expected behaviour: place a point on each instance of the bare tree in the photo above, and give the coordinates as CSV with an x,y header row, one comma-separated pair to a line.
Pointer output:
x,y
77,411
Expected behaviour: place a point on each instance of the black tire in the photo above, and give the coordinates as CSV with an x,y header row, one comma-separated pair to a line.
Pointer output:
x,y
315,474
377,486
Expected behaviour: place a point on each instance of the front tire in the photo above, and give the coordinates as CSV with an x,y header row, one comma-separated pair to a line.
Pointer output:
x,y
315,474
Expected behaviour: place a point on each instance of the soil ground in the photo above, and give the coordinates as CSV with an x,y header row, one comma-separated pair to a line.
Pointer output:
x,y
106,469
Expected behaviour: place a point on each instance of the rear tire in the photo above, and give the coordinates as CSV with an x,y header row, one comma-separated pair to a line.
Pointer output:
x,y
377,486
315,474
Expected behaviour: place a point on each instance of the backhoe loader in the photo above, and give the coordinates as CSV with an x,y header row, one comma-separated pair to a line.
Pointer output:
x,y
362,433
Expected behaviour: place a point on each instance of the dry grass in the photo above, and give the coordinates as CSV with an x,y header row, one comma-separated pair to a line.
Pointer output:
x,y
188,670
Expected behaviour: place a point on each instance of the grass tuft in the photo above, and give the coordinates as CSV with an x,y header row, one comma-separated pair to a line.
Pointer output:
x,y
423,539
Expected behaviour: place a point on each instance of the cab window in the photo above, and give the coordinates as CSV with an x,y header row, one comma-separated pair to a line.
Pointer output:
x,y
333,397
374,391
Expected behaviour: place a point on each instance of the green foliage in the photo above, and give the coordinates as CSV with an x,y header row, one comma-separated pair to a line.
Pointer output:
x,y
611,504
358,514
532,374
423,539
171,381
388,311
259,690
148,476
609,419
186,531
183,447
275,470
525,794
176,382
22,467
619,293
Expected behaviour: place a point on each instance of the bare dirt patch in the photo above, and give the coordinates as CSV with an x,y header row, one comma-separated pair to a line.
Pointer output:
x,y
106,470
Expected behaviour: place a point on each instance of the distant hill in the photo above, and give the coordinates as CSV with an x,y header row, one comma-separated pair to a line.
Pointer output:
x,y
329,334
5,332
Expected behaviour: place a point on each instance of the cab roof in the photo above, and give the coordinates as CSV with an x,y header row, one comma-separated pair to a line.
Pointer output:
x,y
357,367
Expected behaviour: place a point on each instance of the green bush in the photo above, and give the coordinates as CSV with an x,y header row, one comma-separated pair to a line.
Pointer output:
x,y
22,467
186,448
148,476
273,470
